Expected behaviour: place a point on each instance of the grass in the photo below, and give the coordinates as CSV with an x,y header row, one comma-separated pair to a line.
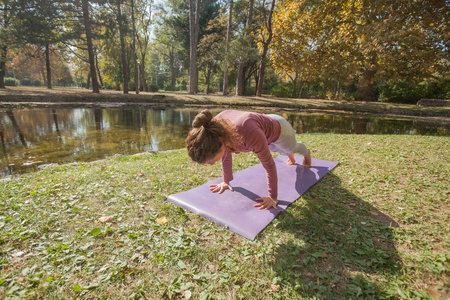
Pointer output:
x,y
376,227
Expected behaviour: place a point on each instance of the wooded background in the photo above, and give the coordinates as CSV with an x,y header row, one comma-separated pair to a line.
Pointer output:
x,y
378,50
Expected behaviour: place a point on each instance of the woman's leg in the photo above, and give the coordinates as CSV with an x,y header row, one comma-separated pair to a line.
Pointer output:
x,y
288,145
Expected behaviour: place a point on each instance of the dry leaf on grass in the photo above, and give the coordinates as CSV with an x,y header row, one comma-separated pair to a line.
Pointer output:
x,y
187,294
162,220
105,219
273,289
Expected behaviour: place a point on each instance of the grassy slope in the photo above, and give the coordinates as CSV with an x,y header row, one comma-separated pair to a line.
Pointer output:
x,y
332,243
77,97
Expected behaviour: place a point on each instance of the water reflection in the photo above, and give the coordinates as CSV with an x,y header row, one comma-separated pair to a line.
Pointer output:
x,y
32,137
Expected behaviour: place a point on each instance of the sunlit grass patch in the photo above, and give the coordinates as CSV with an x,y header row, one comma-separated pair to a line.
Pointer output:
x,y
374,227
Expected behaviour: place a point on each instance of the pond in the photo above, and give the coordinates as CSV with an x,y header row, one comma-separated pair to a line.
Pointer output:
x,y
37,136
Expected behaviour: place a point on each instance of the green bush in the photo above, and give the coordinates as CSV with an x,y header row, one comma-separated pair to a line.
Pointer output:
x,y
10,81
281,90
250,91
131,85
398,92
153,88
30,82
407,92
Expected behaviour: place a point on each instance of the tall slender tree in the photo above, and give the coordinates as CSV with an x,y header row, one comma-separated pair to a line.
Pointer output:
x,y
8,9
266,38
145,22
240,81
194,17
87,26
122,47
135,59
227,48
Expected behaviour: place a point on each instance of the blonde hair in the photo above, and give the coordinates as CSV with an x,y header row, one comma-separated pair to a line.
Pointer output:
x,y
208,135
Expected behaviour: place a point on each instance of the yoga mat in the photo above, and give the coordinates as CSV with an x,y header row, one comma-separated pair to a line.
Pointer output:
x,y
235,211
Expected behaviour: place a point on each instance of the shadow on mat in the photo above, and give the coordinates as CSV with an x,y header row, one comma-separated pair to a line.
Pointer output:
x,y
338,240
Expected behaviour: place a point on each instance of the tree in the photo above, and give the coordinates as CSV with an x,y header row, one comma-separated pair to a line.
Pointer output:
x,y
266,38
211,48
194,17
145,22
240,82
87,25
345,42
168,45
8,9
227,48
41,22
122,47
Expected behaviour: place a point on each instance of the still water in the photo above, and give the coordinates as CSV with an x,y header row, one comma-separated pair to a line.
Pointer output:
x,y
38,136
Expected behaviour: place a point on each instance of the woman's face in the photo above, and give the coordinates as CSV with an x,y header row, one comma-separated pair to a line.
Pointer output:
x,y
216,157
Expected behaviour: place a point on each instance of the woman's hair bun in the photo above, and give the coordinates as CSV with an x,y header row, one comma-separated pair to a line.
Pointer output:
x,y
203,119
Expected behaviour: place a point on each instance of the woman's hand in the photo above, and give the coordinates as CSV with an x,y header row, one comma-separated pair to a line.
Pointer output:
x,y
220,187
267,202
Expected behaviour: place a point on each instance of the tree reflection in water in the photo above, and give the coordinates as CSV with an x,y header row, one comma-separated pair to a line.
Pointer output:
x,y
47,135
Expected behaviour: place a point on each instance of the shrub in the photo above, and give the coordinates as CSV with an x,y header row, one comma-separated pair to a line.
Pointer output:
x,y
407,92
399,92
131,85
250,91
153,88
30,82
10,81
280,90
26,82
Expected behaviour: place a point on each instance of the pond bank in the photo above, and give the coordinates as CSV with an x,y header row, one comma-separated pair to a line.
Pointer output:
x,y
15,97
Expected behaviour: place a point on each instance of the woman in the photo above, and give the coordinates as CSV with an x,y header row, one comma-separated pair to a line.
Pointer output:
x,y
231,131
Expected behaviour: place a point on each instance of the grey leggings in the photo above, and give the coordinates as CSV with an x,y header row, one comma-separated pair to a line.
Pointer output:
x,y
286,143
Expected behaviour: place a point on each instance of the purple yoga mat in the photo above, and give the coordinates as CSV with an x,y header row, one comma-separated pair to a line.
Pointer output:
x,y
235,209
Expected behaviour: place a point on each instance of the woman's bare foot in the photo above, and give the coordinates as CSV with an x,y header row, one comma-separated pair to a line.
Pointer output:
x,y
307,160
291,159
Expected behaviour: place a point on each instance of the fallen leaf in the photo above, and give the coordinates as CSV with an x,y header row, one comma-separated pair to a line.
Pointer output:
x,y
18,254
374,213
105,219
187,294
275,287
162,220
324,254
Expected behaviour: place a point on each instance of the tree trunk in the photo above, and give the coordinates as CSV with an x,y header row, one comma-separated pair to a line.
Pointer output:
x,y
87,27
47,64
4,49
240,82
366,85
135,60
193,39
266,43
42,73
208,79
98,70
225,75
122,47
142,73
172,70
88,81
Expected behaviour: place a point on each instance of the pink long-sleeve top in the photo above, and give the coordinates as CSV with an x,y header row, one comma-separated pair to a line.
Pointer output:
x,y
257,131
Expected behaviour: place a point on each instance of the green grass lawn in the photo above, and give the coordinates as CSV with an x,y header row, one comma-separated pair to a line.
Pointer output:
x,y
375,227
